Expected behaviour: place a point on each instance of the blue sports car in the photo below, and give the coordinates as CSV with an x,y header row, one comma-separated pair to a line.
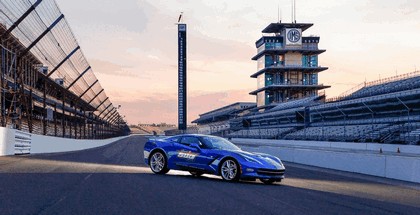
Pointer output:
x,y
200,154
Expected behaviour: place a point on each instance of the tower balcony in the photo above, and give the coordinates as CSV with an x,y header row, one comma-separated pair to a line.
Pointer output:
x,y
286,68
306,50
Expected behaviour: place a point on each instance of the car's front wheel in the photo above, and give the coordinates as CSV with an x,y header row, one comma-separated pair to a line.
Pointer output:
x,y
158,163
229,170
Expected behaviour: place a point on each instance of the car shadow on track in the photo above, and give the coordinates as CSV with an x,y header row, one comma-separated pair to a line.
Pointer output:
x,y
211,178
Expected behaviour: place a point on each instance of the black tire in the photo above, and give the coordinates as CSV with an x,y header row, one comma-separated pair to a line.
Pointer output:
x,y
267,181
229,166
158,163
196,174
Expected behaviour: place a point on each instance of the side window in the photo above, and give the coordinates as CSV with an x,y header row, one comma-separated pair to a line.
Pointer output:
x,y
174,139
188,140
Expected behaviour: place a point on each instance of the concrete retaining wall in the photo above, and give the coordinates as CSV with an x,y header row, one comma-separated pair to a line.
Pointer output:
x,y
344,156
7,141
48,144
336,145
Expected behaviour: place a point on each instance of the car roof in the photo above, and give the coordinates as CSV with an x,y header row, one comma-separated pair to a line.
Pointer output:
x,y
194,135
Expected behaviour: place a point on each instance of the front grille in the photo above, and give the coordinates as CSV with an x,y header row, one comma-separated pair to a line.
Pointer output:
x,y
270,172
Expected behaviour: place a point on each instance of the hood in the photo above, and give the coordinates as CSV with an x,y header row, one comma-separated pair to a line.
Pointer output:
x,y
265,160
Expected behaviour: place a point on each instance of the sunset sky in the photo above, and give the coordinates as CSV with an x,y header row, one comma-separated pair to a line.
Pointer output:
x,y
132,47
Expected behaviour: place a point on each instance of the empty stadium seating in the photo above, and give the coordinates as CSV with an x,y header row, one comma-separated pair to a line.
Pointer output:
x,y
383,111
389,87
261,133
338,133
295,103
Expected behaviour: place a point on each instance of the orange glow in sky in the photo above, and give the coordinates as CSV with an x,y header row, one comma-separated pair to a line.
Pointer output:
x,y
132,47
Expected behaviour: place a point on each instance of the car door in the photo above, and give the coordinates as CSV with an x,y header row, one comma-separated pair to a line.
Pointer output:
x,y
184,156
171,151
206,157
200,158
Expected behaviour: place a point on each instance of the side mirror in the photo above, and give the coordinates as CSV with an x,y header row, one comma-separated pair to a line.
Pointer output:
x,y
195,145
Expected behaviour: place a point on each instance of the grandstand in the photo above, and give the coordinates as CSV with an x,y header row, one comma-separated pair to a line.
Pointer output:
x,y
403,82
151,129
47,85
291,106
217,121
385,112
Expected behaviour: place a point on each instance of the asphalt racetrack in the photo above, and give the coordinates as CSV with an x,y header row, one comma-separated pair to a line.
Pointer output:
x,y
114,180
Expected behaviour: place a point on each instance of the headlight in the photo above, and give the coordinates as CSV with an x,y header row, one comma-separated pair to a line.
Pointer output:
x,y
281,164
250,159
275,161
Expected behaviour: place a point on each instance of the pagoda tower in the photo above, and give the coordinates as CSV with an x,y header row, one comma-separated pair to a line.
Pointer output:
x,y
287,64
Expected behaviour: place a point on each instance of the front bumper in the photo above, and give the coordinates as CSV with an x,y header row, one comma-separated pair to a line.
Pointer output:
x,y
262,173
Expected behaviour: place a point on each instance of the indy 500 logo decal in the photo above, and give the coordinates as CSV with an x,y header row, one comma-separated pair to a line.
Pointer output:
x,y
187,155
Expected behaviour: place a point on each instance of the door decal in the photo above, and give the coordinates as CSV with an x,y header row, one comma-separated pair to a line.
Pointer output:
x,y
188,155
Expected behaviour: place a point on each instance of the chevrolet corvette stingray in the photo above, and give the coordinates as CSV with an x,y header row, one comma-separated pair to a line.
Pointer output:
x,y
205,154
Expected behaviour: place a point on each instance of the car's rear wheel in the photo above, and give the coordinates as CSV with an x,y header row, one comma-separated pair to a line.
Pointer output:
x,y
267,180
196,174
158,163
229,170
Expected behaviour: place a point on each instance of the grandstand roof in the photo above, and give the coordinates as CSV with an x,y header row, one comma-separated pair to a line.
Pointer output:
x,y
16,42
297,103
261,115
52,85
48,36
287,107
228,106
289,86
224,112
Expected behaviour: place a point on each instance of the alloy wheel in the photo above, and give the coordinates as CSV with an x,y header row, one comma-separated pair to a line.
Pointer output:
x,y
229,170
157,162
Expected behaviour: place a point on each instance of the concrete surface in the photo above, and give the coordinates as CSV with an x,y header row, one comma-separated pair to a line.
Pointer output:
x,y
114,180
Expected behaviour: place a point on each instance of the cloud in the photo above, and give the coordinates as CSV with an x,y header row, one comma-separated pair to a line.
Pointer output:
x,y
410,7
109,68
130,15
133,47
163,108
390,11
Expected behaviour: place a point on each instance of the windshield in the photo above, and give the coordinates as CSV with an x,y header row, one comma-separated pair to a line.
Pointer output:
x,y
218,143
